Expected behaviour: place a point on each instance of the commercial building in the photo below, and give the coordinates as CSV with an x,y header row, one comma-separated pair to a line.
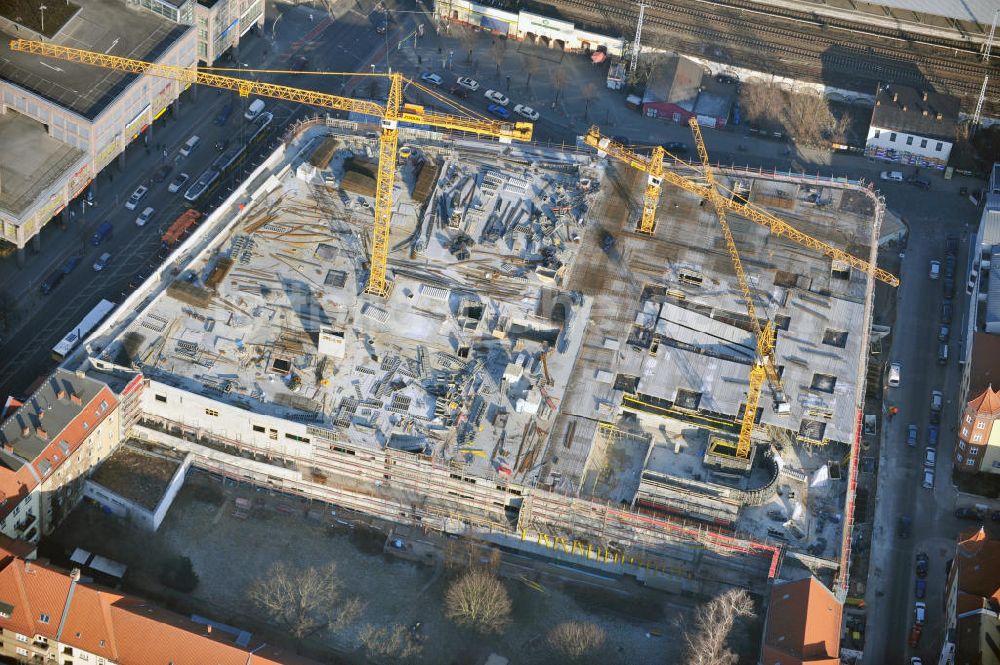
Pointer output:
x,y
802,625
220,23
912,127
681,89
972,602
51,443
61,125
47,615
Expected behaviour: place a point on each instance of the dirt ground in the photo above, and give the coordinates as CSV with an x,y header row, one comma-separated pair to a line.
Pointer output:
x,y
229,554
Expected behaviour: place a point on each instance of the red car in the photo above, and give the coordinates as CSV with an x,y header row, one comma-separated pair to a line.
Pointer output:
x,y
915,634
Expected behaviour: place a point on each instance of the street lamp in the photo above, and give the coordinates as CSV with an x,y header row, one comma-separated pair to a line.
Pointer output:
x,y
42,9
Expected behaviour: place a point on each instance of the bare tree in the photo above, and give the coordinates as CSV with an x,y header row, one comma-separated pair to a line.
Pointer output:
x,y
468,37
393,643
497,53
305,601
559,80
530,67
478,600
803,114
706,642
574,640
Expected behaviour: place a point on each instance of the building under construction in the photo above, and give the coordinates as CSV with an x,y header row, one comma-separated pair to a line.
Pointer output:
x,y
540,375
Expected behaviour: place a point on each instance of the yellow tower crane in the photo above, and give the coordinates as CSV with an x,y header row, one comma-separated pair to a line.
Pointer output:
x,y
653,165
391,114
764,362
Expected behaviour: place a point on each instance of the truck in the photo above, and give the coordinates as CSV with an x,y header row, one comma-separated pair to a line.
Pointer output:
x,y
103,232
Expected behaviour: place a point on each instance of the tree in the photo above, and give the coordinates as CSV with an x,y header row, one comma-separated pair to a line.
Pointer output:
x,y
573,640
178,573
389,642
468,37
530,67
706,644
478,600
305,601
589,94
496,53
559,80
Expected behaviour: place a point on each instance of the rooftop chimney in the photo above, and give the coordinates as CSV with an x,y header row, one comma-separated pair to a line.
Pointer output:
x,y
41,414
75,574
42,434
26,430
895,96
904,107
939,116
76,399
925,113
61,393
208,629
878,102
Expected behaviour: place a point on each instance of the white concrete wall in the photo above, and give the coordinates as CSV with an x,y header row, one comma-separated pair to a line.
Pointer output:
x,y
119,505
172,489
911,143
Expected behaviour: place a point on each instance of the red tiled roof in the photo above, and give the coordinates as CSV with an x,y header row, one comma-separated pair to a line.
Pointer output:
x,y
978,561
987,403
125,629
803,625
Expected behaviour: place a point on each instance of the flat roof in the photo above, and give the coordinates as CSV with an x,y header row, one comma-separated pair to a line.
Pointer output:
x,y
106,26
136,475
33,161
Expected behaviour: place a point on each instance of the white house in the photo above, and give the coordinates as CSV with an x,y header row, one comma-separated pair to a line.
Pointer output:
x,y
912,127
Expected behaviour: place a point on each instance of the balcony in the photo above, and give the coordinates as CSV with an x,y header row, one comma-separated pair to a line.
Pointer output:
x,y
25,523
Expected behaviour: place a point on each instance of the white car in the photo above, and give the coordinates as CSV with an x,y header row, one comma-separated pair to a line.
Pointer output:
x,y
102,261
920,613
431,78
177,183
526,111
137,195
895,370
466,82
930,457
144,217
892,176
496,97
928,483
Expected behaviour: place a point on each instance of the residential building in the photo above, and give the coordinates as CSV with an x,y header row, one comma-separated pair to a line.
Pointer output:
x,y
912,127
679,90
47,615
802,625
51,443
978,446
61,125
972,603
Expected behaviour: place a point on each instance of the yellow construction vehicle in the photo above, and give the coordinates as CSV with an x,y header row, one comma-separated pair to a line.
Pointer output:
x,y
653,166
391,114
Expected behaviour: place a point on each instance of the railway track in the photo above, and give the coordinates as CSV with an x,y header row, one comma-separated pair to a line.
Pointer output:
x,y
800,53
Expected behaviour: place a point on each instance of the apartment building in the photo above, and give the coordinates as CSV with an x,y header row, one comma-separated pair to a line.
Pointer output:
x,y
51,443
978,446
912,127
803,625
972,602
47,615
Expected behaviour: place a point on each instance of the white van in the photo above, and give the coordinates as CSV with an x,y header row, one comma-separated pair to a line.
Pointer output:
x,y
892,176
894,375
255,108
189,147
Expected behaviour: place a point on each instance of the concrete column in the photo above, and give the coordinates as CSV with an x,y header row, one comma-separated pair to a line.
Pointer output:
x,y
20,257
36,241
121,157
64,217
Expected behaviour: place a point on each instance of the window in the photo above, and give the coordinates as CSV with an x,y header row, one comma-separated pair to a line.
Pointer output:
x,y
86,426
43,617
909,140
68,651
959,458
970,462
961,444
104,406
877,133
981,424
977,438
837,338
258,428
892,137
923,143
161,398
965,431
295,437
968,419
272,434
21,638
21,651
973,450
83,656
939,146
211,412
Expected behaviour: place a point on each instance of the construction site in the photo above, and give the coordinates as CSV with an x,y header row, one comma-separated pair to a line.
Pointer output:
x,y
626,361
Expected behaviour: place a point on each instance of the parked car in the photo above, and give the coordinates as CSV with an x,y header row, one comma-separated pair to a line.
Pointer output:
x,y
920,589
948,288
915,634
932,435
944,332
498,111
937,398
949,266
676,147
946,312
951,245
52,281
466,82
894,374
892,176
922,563
968,514
496,97
71,264
930,457
920,183
144,216
431,78
102,261
935,270
727,78
920,612
178,183
527,112
103,232
928,483
911,435
137,195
